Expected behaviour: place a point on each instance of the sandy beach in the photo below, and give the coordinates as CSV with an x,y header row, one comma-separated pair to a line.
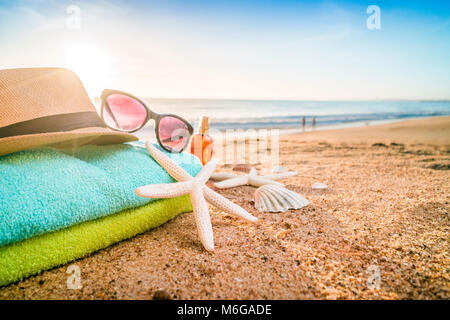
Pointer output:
x,y
386,210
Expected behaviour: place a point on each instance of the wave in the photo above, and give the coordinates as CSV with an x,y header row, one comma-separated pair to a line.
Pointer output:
x,y
328,120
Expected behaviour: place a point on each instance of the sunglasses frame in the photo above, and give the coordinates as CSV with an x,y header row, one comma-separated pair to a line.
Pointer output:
x,y
150,115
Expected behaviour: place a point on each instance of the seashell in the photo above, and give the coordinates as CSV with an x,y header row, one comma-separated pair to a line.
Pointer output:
x,y
319,186
279,169
280,172
242,167
276,198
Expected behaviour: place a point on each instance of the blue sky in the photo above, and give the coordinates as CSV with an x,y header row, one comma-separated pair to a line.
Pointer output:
x,y
305,50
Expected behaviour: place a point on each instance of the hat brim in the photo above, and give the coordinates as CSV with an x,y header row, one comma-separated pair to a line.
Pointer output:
x,y
68,139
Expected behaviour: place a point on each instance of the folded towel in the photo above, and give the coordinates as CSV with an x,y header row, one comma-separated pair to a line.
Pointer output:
x,y
31,256
46,189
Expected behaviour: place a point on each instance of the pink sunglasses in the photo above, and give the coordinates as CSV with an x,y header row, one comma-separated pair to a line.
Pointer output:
x,y
123,112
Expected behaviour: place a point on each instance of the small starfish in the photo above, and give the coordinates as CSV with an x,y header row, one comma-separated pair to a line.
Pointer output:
x,y
229,180
198,191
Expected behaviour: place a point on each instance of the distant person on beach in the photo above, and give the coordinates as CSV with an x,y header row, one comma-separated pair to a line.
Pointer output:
x,y
303,122
314,122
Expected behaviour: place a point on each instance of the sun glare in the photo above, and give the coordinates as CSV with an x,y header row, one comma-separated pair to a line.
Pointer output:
x,y
90,64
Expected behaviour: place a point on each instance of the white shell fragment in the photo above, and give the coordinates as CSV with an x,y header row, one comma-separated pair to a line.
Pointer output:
x,y
279,169
319,186
282,172
276,198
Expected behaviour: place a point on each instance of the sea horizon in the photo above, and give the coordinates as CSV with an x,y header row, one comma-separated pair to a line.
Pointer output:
x,y
288,115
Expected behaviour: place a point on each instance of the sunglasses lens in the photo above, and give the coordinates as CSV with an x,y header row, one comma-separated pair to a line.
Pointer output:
x,y
124,113
173,133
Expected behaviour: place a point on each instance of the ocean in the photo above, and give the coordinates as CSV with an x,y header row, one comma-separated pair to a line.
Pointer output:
x,y
287,115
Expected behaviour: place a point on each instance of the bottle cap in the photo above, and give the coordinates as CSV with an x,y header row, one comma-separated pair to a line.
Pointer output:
x,y
204,124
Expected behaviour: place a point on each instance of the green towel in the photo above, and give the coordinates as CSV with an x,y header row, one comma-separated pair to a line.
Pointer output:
x,y
47,189
31,256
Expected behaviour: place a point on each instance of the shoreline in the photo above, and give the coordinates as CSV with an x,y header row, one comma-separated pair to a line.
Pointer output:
x,y
308,129
429,130
356,124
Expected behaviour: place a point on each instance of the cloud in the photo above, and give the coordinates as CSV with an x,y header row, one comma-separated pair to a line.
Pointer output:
x,y
46,15
41,21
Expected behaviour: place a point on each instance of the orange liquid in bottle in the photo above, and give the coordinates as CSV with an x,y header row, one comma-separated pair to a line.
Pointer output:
x,y
202,144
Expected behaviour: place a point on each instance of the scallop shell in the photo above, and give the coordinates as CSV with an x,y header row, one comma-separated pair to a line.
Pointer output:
x,y
275,198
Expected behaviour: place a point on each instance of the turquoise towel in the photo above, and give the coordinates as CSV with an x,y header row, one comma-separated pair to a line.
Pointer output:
x,y
46,189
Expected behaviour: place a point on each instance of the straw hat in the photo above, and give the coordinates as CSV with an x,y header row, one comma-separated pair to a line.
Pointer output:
x,y
49,106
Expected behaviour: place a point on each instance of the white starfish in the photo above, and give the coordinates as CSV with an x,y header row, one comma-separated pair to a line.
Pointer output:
x,y
229,180
198,191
